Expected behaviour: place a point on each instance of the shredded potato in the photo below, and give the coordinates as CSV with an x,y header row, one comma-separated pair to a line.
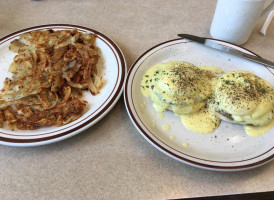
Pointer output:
x,y
49,73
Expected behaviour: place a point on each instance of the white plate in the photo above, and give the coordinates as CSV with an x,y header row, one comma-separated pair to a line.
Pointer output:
x,y
113,65
226,149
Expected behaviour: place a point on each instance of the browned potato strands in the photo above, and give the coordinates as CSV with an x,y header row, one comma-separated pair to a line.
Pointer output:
x,y
49,73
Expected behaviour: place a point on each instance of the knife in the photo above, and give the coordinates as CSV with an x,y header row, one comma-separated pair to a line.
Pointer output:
x,y
210,43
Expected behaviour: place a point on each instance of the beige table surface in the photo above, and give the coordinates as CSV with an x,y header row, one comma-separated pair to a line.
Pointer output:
x,y
111,160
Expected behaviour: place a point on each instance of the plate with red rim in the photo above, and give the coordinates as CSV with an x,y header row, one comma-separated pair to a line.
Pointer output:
x,y
228,148
112,67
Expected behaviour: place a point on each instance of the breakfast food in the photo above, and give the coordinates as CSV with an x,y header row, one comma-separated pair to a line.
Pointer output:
x,y
203,96
185,89
180,87
243,98
49,74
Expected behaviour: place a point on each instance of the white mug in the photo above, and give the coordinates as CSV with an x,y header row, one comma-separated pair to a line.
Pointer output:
x,y
234,20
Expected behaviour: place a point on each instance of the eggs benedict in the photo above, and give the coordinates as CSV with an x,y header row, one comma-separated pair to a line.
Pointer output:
x,y
179,86
243,98
202,96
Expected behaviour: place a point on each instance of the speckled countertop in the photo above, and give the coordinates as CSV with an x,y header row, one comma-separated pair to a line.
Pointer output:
x,y
115,162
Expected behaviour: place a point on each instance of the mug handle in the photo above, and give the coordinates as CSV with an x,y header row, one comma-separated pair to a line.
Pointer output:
x,y
269,17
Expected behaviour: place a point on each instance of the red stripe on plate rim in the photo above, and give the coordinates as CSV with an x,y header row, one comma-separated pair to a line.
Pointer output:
x,y
101,112
73,124
165,150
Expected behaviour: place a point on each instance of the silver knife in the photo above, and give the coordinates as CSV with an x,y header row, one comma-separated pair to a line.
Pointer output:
x,y
210,43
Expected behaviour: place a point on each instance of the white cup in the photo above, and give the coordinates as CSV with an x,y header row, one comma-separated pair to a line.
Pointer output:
x,y
234,20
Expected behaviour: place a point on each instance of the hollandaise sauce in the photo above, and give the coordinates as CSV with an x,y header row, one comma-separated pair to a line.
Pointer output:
x,y
256,131
147,80
246,99
190,92
165,127
212,70
203,121
184,89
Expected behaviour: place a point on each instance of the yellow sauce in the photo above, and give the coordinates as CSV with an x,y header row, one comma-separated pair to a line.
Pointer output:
x,y
153,123
146,83
256,131
185,144
177,86
160,115
246,97
172,137
203,121
165,127
186,89
213,70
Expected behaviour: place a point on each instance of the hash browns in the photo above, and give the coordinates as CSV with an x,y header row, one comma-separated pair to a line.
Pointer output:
x,y
49,74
